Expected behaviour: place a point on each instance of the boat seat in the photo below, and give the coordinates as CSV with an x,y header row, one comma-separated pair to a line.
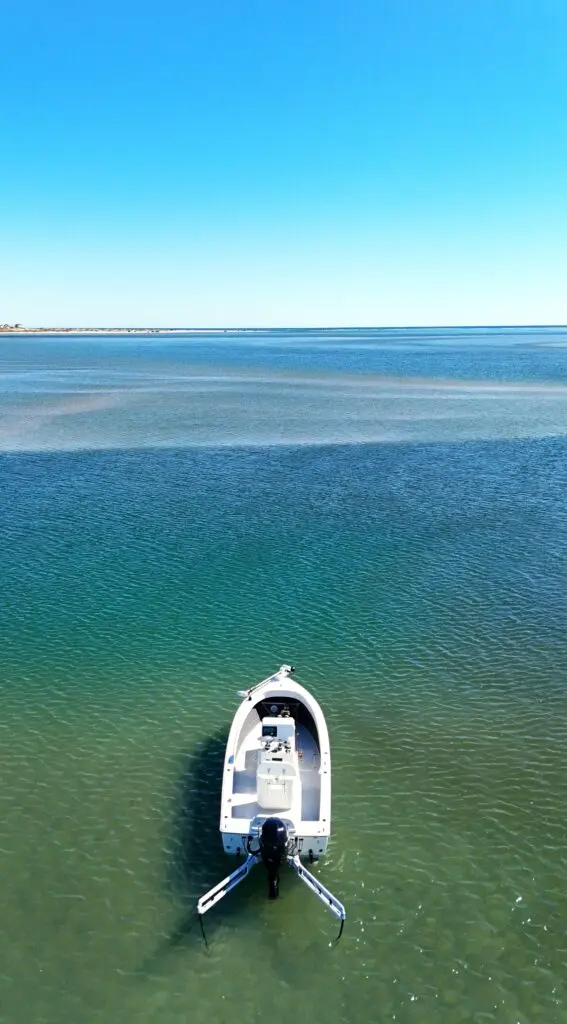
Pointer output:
x,y
276,785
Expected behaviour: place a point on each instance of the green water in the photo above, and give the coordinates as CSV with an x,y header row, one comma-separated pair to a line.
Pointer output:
x,y
419,588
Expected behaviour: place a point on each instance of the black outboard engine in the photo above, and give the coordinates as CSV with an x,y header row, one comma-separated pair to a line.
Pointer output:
x,y
273,849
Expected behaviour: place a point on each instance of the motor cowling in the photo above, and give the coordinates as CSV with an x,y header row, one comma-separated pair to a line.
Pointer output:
x,y
273,850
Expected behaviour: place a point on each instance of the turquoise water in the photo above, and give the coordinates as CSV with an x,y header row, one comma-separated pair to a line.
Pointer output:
x,y
387,511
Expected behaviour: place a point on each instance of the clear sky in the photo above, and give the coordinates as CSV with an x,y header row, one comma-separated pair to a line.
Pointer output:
x,y
261,162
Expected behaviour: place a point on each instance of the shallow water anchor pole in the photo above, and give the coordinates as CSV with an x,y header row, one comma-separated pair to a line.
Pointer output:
x,y
319,889
222,888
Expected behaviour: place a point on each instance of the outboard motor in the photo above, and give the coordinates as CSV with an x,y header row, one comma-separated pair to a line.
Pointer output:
x,y
273,849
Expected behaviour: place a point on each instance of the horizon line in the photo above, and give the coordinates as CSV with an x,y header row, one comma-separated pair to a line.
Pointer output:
x,y
12,329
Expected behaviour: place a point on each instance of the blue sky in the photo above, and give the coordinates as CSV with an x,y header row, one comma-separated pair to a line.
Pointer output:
x,y
257,162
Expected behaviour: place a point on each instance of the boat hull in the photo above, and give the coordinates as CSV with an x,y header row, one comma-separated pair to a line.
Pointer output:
x,y
309,847
308,816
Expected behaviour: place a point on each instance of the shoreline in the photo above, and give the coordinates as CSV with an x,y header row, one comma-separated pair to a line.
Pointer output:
x,y
127,330
17,329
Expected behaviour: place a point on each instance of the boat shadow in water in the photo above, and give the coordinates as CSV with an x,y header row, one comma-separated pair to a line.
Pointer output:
x,y
195,857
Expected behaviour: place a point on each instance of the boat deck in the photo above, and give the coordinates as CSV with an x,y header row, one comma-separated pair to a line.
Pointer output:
x,y
306,805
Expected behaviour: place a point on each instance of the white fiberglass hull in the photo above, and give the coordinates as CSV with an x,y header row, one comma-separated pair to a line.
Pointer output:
x,y
296,788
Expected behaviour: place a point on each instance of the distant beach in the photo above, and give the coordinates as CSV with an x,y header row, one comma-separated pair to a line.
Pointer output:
x,y
18,329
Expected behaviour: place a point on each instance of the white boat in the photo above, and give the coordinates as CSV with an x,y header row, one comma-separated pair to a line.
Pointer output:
x,y
276,788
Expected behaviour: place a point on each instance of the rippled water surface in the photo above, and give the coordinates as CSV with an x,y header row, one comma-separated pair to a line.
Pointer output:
x,y
418,582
